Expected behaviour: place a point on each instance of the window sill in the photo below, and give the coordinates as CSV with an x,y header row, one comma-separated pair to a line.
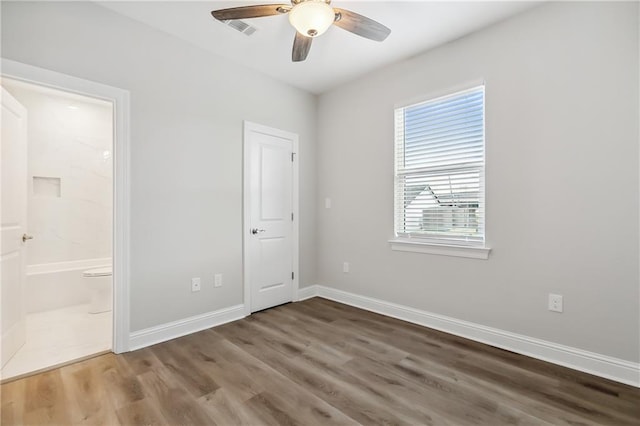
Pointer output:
x,y
399,244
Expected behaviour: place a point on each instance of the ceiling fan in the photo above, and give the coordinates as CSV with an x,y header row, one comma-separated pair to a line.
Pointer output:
x,y
310,18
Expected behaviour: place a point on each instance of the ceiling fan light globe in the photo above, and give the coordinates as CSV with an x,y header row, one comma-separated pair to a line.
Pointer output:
x,y
312,18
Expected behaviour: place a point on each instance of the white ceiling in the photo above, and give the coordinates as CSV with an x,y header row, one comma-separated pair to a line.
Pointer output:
x,y
335,57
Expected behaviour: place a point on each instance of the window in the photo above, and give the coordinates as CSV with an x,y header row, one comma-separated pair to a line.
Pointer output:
x,y
439,170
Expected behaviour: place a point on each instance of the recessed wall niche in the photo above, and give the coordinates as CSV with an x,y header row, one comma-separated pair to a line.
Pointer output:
x,y
46,186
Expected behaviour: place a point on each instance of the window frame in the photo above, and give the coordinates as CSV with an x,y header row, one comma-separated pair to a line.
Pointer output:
x,y
432,244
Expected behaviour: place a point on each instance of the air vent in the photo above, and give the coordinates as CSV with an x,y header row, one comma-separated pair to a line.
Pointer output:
x,y
241,26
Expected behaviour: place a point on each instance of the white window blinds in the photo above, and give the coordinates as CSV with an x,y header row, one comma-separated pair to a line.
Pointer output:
x,y
439,169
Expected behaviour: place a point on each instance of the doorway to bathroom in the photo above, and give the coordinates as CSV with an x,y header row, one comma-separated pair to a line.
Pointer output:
x,y
59,307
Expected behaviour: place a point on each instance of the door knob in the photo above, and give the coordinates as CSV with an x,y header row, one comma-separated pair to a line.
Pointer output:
x,y
255,231
26,237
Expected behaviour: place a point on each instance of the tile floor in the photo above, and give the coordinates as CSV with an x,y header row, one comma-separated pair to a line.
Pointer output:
x,y
58,337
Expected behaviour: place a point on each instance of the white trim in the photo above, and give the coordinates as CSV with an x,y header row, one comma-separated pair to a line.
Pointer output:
x,y
441,93
71,265
171,330
246,219
471,252
295,206
307,292
246,207
121,235
589,362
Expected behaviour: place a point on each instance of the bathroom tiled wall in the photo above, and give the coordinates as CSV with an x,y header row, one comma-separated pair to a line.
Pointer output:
x,y
70,176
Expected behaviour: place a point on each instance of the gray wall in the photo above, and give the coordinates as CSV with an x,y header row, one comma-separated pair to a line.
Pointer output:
x,y
561,178
562,167
187,108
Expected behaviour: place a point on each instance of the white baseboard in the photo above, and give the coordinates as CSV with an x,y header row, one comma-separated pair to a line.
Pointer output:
x,y
162,333
307,292
589,362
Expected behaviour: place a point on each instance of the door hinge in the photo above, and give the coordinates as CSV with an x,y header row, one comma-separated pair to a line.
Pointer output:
x,y
292,155
292,275
291,217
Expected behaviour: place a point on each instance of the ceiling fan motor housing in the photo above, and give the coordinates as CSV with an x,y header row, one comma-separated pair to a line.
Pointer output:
x,y
311,17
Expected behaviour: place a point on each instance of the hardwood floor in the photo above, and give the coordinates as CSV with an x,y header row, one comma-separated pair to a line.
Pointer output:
x,y
317,363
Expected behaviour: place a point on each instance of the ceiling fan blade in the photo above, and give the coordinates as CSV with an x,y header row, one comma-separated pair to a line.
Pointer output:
x,y
301,46
360,25
245,12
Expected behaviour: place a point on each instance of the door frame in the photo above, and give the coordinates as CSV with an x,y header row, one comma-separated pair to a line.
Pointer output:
x,y
121,177
14,337
246,207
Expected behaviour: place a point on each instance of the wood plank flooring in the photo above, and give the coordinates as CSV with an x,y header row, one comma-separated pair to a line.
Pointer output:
x,y
317,362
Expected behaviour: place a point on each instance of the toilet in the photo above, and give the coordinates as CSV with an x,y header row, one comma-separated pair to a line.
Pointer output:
x,y
99,283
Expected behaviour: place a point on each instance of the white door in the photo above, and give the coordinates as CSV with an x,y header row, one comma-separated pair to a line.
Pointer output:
x,y
13,216
270,225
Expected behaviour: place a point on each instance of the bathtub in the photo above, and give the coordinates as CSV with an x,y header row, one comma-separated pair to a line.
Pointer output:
x,y
57,285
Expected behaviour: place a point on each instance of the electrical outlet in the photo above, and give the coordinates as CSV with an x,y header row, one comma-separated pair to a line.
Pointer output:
x,y
345,267
555,302
217,280
195,284
327,203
